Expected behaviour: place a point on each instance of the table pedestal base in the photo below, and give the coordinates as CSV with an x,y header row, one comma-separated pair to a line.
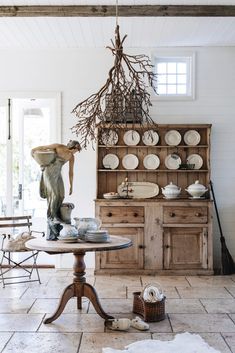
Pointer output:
x,y
79,288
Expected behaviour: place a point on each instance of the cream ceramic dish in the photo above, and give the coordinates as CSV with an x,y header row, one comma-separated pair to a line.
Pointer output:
x,y
171,191
196,190
140,190
110,161
110,138
173,138
172,161
195,159
151,161
192,138
130,161
131,138
150,138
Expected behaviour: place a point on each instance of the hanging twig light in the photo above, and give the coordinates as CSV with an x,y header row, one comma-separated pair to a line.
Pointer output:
x,y
124,97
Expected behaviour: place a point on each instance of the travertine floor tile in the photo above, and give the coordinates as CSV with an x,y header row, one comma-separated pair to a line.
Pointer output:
x,y
184,306
161,326
20,322
42,306
4,338
232,317
15,305
231,290
110,291
221,281
12,291
215,340
93,343
43,343
215,306
203,292
118,280
114,306
166,281
44,292
230,339
75,323
65,281
201,323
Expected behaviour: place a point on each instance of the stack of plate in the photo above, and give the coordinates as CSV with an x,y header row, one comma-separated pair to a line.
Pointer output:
x,y
97,236
68,239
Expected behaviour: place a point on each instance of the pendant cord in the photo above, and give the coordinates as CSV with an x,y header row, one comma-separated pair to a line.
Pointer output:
x,y
116,12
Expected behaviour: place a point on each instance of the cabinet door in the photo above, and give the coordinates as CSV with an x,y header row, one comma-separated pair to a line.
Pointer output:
x,y
125,258
185,248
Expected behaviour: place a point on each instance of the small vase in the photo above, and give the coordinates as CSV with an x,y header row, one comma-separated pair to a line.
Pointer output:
x,y
65,212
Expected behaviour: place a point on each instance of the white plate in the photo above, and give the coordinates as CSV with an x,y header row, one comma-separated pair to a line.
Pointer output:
x,y
172,161
110,161
68,240
130,161
192,138
151,161
131,138
195,159
110,138
140,190
172,138
111,196
150,138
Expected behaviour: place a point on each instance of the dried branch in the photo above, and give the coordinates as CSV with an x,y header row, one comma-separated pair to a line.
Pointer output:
x,y
122,99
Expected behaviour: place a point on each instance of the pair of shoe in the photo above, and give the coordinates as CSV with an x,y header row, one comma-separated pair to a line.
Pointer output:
x,y
124,324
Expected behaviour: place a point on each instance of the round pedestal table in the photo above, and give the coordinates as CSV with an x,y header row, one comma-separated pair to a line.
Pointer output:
x,y
79,288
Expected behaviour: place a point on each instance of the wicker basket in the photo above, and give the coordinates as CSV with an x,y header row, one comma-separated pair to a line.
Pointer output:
x,y
151,312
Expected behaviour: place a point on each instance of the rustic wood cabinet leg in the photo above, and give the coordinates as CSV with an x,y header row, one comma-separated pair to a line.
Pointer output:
x,y
67,294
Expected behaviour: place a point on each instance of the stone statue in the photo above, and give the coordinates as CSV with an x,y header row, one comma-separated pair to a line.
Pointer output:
x,y
51,158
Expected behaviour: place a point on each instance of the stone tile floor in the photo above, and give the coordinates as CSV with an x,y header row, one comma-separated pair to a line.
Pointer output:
x,y
204,305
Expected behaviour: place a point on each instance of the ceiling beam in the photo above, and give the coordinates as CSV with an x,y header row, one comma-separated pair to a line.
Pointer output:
x,y
123,11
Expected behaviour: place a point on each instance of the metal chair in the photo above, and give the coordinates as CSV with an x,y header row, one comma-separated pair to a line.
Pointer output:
x,y
9,227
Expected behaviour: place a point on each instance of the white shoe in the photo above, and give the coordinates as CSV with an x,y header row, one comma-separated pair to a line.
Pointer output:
x,y
139,324
120,324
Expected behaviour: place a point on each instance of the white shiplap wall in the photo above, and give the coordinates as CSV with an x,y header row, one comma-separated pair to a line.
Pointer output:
x,y
78,73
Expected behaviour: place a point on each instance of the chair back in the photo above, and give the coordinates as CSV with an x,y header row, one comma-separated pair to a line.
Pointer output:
x,y
16,222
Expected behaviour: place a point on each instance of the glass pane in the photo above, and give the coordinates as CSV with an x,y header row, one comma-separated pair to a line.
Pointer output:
x,y
171,68
181,79
171,89
3,160
161,79
161,68
171,78
181,89
161,89
181,68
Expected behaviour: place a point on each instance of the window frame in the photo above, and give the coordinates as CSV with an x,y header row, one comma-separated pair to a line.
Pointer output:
x,y
177,56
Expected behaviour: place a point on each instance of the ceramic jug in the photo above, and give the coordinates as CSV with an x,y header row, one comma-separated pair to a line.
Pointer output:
x,y
85,224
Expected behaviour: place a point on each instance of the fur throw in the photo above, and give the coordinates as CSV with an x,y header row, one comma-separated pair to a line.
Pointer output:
x,y
18,243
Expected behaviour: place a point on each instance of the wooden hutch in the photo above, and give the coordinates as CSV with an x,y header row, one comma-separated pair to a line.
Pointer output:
x,y
170,236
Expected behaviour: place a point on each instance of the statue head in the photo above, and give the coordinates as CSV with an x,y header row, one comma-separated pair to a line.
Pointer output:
x,y
74,145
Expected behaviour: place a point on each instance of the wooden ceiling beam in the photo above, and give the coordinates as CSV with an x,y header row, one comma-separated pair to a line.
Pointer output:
x,y
123,11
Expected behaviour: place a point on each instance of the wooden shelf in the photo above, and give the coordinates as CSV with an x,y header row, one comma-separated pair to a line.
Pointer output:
x,y
154,170
156,146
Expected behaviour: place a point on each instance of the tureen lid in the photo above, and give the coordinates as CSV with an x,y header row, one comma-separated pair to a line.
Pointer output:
x,y
196,186
171,186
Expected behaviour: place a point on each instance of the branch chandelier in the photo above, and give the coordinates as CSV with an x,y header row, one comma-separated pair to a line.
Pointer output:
x,y
123,99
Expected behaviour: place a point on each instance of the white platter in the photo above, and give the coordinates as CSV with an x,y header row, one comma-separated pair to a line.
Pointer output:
x,y
172,161
131,138
140,190
192,138
195,159
150,138
173,138
151,161
110,161
111,196
110,138
130,161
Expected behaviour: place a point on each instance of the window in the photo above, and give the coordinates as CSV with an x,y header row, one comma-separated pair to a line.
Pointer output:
x,y
175,76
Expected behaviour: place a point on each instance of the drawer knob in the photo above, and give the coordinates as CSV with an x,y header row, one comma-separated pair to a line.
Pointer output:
x,y
167,246
142,246
135,214
109,214
172,214
198,214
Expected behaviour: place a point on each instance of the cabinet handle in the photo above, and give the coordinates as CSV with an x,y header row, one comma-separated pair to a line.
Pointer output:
x,y
142,246
109,214
172,214
167,246
198,214
135,214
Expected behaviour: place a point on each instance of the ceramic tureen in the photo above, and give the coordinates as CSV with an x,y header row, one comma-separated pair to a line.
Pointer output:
x,y
171,191
196,190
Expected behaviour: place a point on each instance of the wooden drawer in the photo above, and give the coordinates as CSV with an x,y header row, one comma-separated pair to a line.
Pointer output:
x,y
183,215
122,214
